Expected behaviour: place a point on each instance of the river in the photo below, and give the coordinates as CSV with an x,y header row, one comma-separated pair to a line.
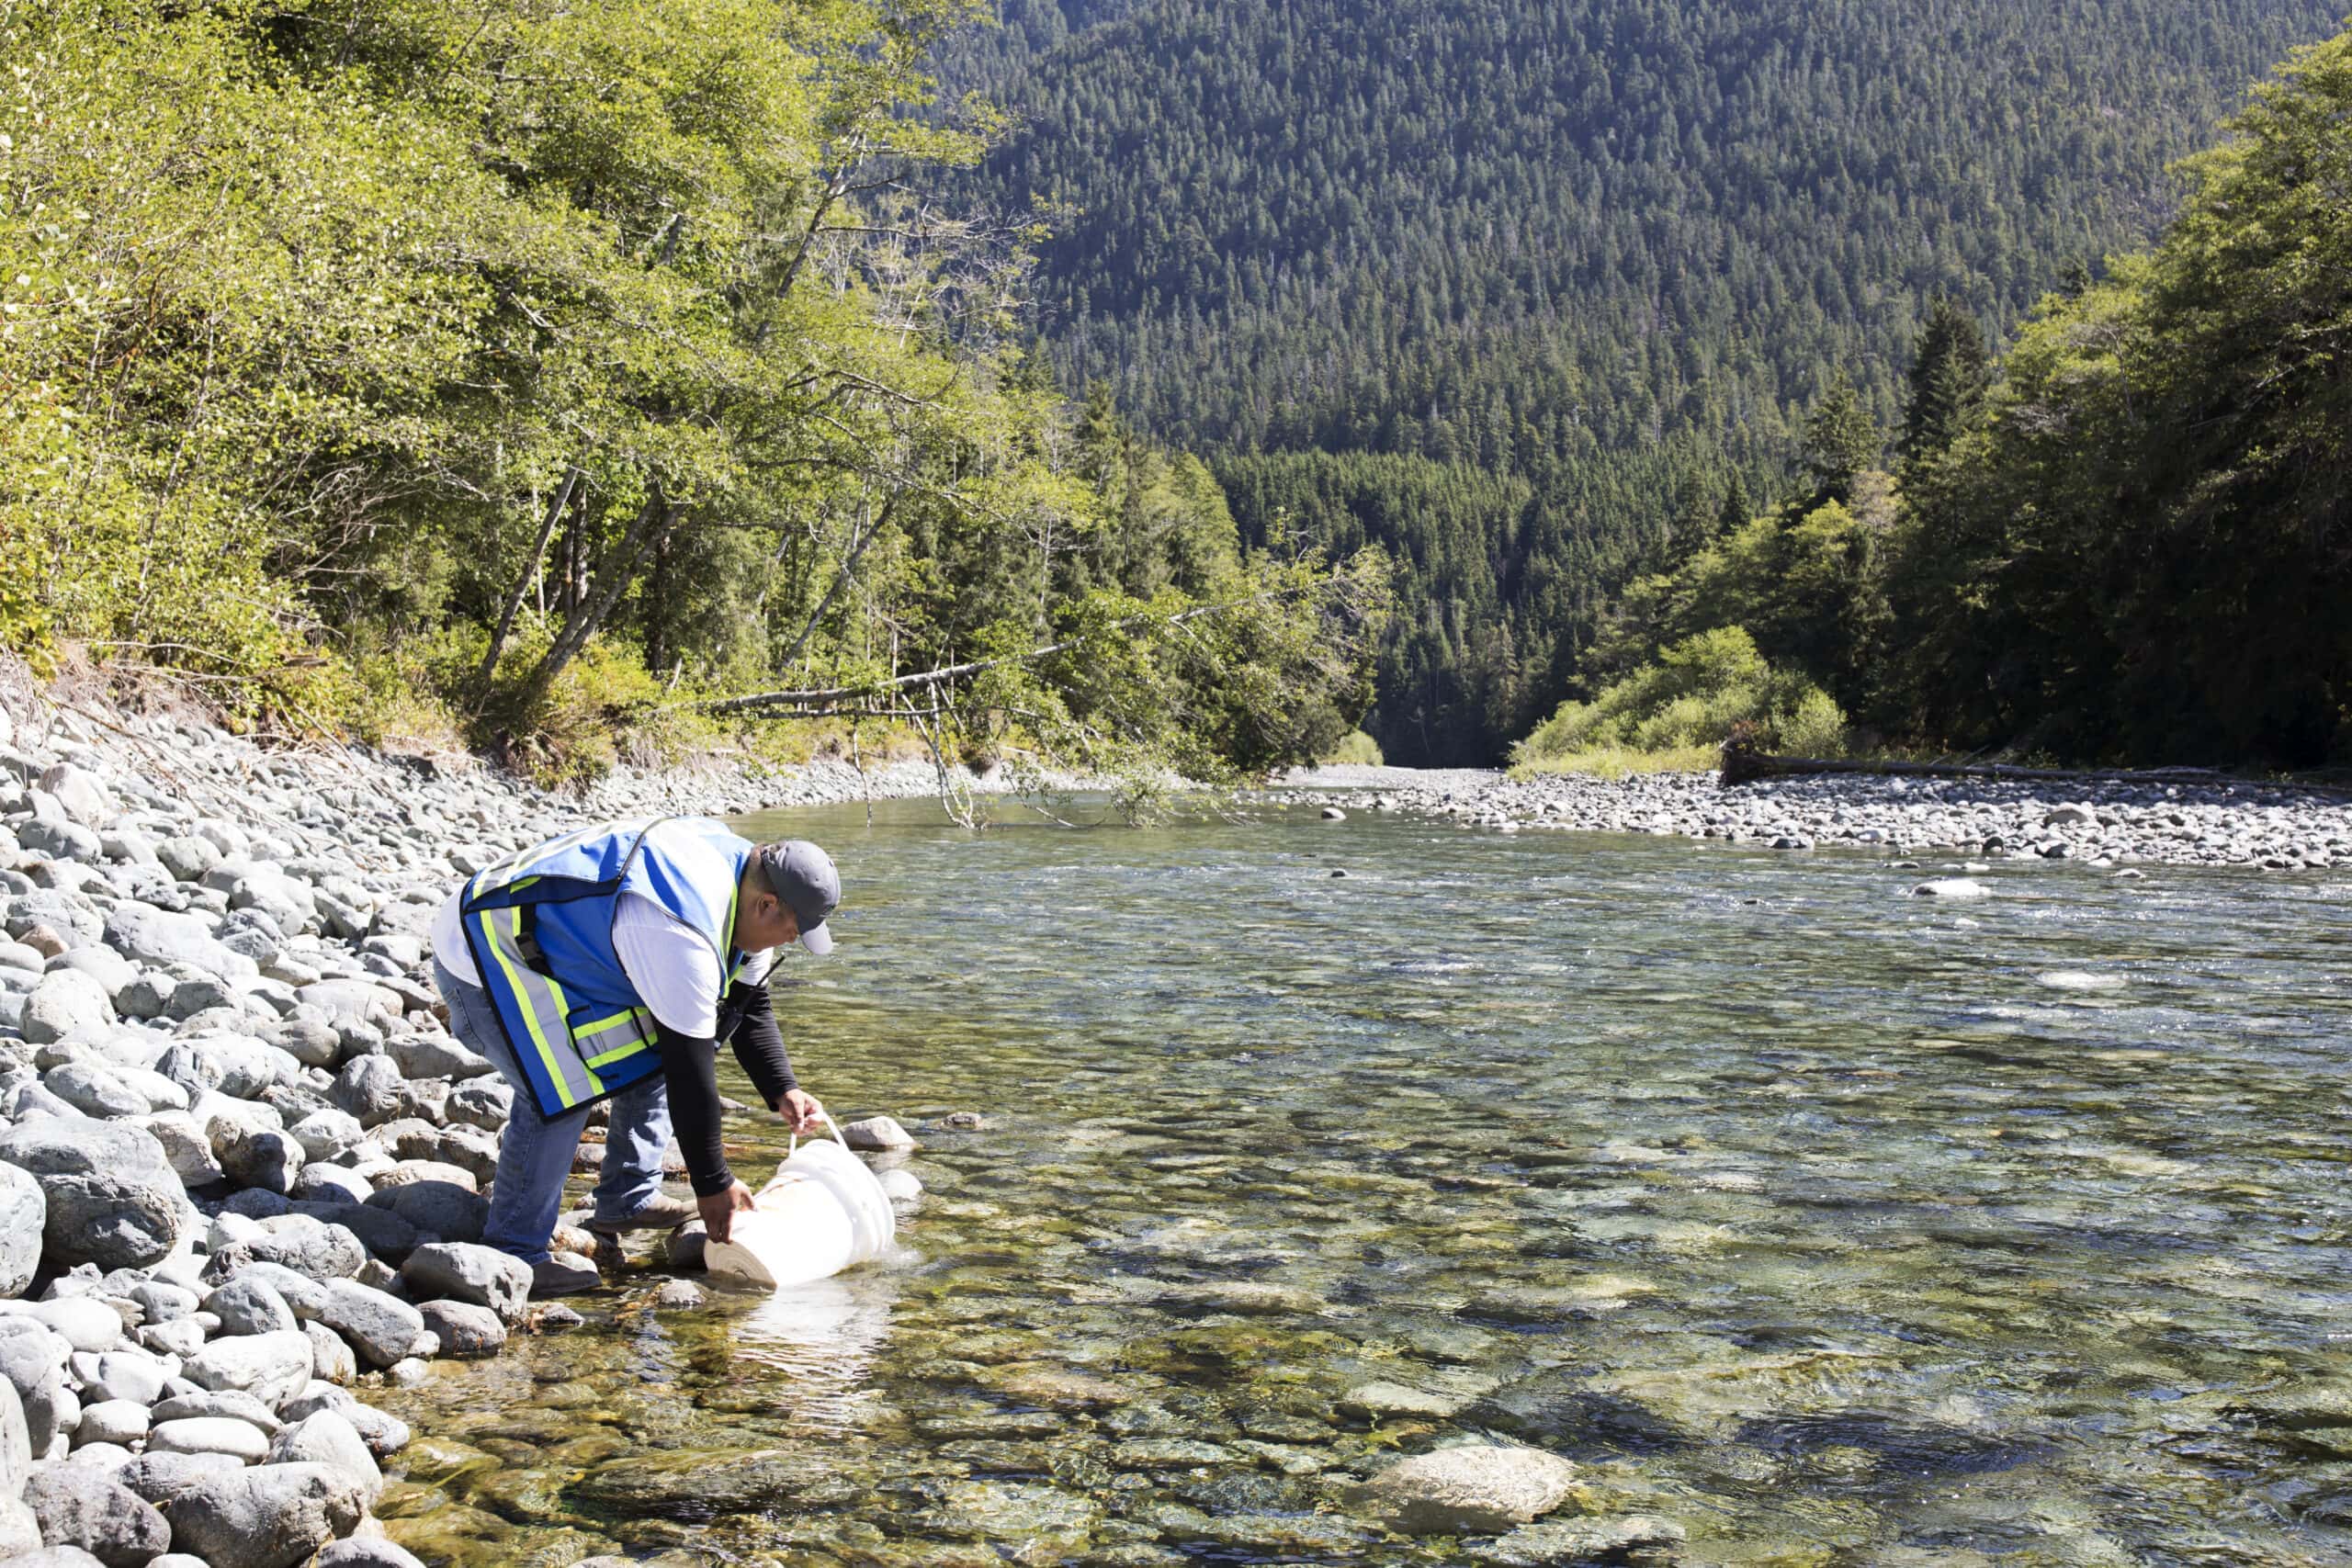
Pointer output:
x,y
1832,1225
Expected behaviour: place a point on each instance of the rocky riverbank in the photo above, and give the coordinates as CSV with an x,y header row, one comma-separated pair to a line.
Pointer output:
x,y
242,1160
2115,823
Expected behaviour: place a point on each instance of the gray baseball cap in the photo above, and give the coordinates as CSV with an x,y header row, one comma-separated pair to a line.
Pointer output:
x,y
804,877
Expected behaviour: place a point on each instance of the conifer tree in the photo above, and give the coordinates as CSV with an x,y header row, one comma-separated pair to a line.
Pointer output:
x,y
1734,513
1949,371
1840,441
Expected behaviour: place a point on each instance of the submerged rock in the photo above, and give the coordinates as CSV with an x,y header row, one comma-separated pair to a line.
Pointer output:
x,y
1554,1544
698,1486
1470,1489
1384,1401
1246,1296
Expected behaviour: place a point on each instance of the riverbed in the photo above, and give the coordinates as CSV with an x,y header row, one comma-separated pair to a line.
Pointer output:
x,y
1815,1223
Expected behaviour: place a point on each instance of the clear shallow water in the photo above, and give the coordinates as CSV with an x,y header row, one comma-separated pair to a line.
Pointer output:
x,y
1836,1226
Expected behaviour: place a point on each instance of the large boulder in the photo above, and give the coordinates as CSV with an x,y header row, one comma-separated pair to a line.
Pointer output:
x,y
308,1246
82,798
380,1230
330,1359
125,1374
80,1505
93,1090
15,1442
32,1363
67,1005
369,1089
878,1133
208,1435
243,1067
227,1403
261,1157
20,1537
467,1271
467,1330
187,857
384,1433
437,1210
247,1304
382,1328
120,1422
1470,1489
319,1182
62,840
435,1056
112,1197
287,901
305,1295
273,1516
160,1477
86,1323
271,1367
24,1214
361,999
325,1438
487,1104
73,919
325,1133
157,939
185,1144
368,1552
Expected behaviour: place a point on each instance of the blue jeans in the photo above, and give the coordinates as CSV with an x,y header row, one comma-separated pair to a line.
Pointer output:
x,y
535,1153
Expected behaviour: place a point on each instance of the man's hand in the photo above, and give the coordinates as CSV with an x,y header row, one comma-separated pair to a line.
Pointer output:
x,y
800,1111
719,1210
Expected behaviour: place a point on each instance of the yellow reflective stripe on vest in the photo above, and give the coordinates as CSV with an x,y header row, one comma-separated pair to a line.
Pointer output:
x,y
636,1021
542,1004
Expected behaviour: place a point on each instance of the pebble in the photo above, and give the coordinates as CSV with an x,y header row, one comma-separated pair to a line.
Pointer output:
x,y
2104,825
238,1145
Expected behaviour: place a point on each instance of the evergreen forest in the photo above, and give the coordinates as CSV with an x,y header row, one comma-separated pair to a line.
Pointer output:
x,y
1171,387
1528,294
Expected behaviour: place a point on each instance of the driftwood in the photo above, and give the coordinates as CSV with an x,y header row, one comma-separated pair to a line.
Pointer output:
x,y
1746,764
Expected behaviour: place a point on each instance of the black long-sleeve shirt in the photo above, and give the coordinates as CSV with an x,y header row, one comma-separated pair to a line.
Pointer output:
x,y
690,1065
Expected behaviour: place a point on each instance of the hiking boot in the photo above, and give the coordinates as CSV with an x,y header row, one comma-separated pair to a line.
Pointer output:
x,y
664,1213
564,1274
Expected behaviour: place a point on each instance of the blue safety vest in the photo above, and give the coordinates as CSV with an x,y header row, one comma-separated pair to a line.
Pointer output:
x,y
541,929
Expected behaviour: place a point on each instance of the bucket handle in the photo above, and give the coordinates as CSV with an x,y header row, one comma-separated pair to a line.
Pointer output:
x,y
793,1145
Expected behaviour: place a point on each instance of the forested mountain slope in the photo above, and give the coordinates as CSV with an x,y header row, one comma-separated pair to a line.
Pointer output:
x,y
1600,254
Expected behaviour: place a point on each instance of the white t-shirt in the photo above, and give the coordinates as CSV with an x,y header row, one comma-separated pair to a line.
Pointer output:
x,y
668,961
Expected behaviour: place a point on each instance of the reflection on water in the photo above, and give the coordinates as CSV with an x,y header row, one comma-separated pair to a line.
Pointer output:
x,y
1834,1226
818,1340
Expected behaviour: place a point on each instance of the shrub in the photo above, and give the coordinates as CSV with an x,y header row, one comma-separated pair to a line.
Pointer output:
x,y
1355,749
1685,704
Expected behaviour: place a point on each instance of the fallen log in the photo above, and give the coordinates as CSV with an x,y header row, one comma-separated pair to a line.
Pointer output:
x,y
1746,764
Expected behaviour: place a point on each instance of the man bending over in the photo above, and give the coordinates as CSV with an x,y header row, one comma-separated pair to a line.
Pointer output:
x,y
608,965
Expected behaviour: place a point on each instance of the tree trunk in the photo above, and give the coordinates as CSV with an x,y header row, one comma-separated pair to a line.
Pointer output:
x,y
842,578
524,578
651,528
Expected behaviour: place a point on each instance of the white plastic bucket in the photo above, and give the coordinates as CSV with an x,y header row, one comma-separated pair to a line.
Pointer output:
x,y
821,1212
